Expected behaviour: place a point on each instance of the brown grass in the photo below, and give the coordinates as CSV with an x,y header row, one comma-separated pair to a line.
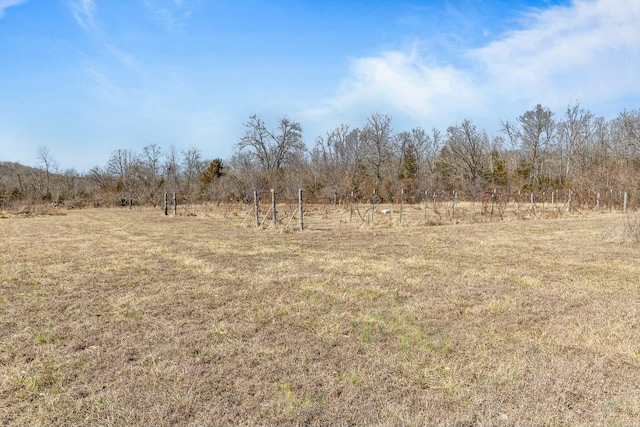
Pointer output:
x,y
119,317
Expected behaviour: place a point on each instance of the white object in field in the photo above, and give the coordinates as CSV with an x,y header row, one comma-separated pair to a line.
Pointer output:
x,y
386,211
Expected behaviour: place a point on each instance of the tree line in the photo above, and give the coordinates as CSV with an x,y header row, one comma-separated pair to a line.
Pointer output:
x,y
537,151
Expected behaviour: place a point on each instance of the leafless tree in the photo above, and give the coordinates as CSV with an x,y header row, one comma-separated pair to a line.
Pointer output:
x,y
171,170
338,158
629,121
271,149
575,134
151,171
469,152
49,165
418,152
377,137
192,167
123,166
533,135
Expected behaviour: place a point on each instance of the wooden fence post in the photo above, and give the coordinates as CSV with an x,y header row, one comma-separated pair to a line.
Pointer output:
x,y
373,204
350,207
401,201
610,200
493,201
166,203
453,208
569,201
300,209
531,202
273,206
624,205
425,204
256,208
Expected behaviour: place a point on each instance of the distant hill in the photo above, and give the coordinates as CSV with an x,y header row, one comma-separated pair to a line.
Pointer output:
x,y
12,168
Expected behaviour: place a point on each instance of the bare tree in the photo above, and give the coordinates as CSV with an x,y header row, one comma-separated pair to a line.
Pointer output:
x,y
48,165
192,167
418,151
630,123
271,149
339,158
533,135
151,173
377,138
245,175
575,133
171,170
469,154
123,166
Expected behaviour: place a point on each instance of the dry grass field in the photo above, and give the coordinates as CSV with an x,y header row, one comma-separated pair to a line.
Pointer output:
x,y
120,317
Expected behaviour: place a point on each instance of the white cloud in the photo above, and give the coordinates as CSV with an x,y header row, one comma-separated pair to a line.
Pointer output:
x,y
4,4
406,82
172,16
83,12
588,51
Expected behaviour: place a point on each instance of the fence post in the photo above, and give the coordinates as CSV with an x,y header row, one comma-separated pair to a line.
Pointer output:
x,y
553,200
373,204
598,201
624,205
569,201
493,201
610,200
166,203
273,206
300,208
350,207
256,208
401,200
425,204
531,202
175,204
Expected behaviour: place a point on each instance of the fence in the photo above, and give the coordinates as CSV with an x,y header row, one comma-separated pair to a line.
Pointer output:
x,y
271,210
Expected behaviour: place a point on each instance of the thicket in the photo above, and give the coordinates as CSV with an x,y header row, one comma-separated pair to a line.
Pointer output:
x,y
537,152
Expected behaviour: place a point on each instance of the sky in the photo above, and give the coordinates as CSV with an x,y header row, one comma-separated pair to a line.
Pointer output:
x,y
83,78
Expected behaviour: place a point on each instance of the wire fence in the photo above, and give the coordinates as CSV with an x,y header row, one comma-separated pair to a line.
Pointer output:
x,y
271,210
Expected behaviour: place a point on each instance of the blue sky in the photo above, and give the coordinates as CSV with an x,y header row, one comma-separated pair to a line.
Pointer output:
x,y
86,77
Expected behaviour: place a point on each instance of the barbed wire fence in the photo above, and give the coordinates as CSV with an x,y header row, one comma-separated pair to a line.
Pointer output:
x,y
272,210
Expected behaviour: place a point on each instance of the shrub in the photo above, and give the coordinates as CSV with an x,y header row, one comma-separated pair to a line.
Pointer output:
x,y
632,227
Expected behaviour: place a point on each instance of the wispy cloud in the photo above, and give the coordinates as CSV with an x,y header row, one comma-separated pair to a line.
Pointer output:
x,y
83,12
171,15
4,4
589,50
